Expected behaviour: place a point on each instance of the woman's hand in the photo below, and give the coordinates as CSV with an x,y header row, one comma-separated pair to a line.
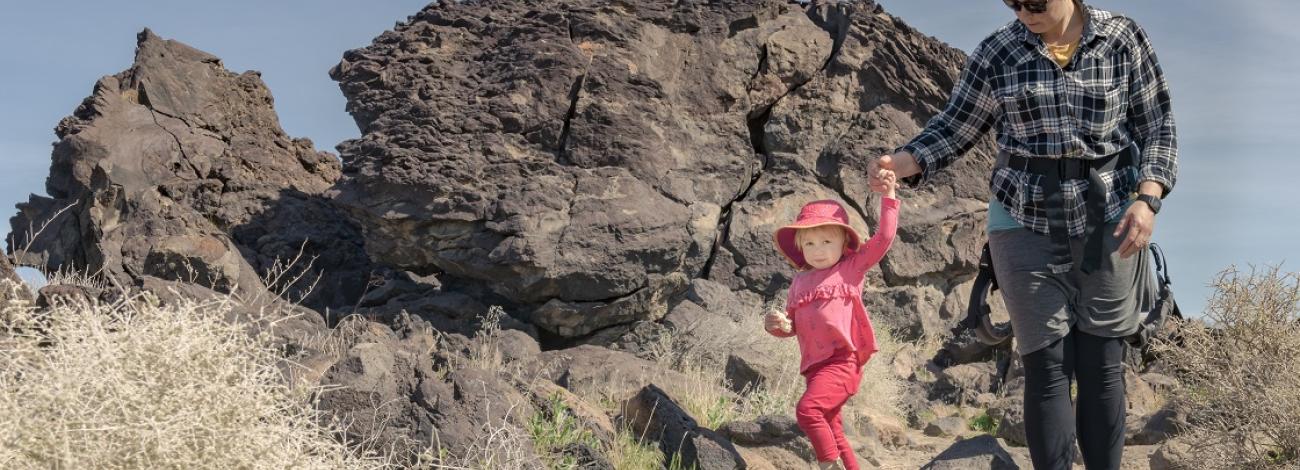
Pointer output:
x,y
1138,223
776,320
902,163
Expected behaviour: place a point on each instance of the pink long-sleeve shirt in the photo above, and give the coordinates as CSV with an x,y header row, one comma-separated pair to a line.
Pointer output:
x,y
825,305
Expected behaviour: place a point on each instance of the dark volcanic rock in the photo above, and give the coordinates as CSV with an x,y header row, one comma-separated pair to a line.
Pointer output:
x,y
585,160
976,452
654,414
177,168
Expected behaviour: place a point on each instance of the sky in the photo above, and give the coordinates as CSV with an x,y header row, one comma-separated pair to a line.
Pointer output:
x,y
1232,69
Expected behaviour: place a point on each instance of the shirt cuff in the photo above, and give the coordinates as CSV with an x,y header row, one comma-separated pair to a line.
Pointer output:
x,y
1160,175
922,158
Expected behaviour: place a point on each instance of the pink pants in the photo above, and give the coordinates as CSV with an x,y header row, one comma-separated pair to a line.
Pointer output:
x,y
830,384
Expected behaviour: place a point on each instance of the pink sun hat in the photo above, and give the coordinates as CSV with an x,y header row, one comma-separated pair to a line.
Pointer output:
x,y
814,214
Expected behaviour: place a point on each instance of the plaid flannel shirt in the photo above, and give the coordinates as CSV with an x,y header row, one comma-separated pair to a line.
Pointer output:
x,y
1111,95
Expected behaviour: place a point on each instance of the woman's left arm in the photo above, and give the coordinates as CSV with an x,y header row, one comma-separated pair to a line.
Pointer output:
x,y
1151,116
1150,121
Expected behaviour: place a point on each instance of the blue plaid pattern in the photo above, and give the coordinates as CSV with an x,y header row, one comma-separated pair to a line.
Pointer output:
x,y
1112,95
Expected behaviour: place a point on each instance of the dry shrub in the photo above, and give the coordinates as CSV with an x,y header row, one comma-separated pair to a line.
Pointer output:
x,y
135,384
1240,372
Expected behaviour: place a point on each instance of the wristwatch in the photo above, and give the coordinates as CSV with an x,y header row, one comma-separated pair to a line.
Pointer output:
x,y
1152,201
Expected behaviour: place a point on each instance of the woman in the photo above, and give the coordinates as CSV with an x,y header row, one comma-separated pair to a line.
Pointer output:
x,y
1087,150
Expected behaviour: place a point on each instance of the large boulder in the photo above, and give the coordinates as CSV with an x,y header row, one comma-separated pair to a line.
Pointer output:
x,y
582,162
178,169
654,414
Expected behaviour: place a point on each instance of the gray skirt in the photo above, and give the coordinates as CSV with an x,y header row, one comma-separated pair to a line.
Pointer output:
x,y
1044,305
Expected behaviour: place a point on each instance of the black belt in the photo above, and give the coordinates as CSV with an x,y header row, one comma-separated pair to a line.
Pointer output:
x,y
1054,171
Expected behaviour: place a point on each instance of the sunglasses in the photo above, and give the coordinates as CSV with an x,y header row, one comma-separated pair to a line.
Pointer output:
x,y
1031,7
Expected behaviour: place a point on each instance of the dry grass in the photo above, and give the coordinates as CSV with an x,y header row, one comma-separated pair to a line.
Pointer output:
x,y
1240,374
700,356
136,384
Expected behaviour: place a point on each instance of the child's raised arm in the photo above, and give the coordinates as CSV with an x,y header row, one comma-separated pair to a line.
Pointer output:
x,y
871,251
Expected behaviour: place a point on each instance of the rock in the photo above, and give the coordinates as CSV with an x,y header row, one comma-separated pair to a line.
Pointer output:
x,y
1173,455
53,294
746,373
1141,398
653,414
12,287
765,431
178,169
905,362
587,458
724,118
963,348
710,336
914,311
570,319
964,382
771,440
589,418
888,431
1161,383
1009,412
517,347
291,327
950,426
977,452
390,385
595,371
1156,428
717,299
755,460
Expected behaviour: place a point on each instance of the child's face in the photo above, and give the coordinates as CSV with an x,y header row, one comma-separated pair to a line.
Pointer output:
x,y
822,246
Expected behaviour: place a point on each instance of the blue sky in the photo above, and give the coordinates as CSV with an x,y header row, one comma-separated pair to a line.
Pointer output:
x,y
1232,66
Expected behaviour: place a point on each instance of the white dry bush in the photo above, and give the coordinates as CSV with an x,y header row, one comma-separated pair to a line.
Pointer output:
x,y
1240,372
135,384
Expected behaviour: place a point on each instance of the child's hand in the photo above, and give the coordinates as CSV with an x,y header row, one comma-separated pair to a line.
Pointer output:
x,y
776,321
890,180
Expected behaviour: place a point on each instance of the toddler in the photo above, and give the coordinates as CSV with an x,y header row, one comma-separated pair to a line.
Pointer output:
x,y
826,315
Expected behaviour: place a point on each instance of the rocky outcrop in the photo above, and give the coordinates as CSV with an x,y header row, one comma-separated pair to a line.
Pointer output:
x,y
582,162
178,169
11,286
